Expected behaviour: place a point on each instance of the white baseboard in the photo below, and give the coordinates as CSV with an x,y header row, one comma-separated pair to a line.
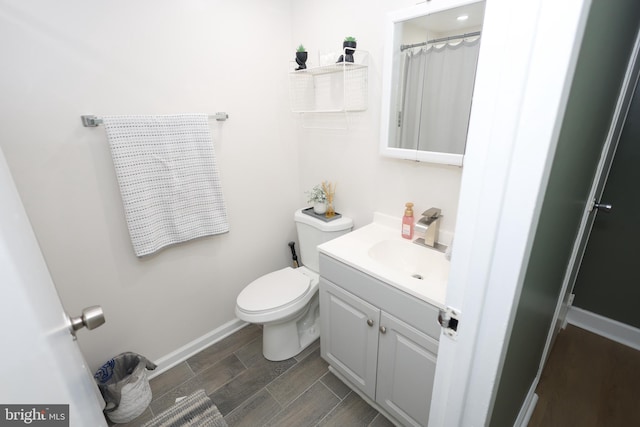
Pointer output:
x,y
528,406
186,351
605,327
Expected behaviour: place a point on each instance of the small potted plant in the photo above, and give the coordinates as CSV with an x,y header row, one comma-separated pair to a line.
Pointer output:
x,y
301,58
348,45
318,197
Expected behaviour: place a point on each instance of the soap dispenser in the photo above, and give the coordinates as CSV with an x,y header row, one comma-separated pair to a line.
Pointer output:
x,y
407,221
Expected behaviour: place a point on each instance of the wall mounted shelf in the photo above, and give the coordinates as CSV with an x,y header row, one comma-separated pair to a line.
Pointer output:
x,y
331,88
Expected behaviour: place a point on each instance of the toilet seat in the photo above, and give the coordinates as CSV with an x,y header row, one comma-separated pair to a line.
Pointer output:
x,y
274,291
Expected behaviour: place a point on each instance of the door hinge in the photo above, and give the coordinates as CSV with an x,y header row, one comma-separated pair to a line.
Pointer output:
x,y
449,319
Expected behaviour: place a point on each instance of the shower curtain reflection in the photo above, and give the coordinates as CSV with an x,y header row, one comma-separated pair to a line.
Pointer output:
x,y
436,97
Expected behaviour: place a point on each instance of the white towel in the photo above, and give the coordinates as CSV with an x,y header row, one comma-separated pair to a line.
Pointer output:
x,y
166,169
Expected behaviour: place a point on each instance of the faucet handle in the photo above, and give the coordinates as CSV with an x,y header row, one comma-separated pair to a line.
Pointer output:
x,y
432,213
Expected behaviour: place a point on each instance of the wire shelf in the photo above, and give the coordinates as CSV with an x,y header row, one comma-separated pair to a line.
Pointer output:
x,y
339,87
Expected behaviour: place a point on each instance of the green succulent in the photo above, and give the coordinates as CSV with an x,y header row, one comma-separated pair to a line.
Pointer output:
x,y
301,49
350,39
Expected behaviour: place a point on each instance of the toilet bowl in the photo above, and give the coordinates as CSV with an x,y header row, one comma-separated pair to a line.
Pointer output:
x,y
286,301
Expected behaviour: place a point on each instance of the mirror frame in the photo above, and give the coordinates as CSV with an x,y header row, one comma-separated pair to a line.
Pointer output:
x,y
391,42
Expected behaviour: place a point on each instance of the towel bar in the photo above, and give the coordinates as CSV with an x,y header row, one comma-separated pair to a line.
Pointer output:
x,y
91,121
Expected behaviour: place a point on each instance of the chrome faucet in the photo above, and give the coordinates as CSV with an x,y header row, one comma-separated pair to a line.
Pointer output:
x,y
429,225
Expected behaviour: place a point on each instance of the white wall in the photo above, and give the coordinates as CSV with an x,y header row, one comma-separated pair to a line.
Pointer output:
x,y
366,181
64,59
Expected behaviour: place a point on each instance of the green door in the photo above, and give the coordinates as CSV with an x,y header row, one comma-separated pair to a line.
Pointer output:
x,y
608,282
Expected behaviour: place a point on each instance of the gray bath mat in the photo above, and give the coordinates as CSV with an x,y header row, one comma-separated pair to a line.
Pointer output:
x,y
195,410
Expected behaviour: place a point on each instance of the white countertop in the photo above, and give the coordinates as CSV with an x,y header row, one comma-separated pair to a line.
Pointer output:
x,y
355,250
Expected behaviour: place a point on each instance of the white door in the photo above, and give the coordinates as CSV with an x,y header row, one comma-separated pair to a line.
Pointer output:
x,y
40,363
527,58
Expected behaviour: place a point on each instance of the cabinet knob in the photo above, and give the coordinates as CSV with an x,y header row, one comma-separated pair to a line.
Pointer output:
x,y
383,329
369,322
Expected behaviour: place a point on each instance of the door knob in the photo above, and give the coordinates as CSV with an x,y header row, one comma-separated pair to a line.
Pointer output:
x,y
91,318
383,329
602,207
369,322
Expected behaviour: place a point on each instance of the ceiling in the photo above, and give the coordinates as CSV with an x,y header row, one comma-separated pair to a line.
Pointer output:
x,y
446,21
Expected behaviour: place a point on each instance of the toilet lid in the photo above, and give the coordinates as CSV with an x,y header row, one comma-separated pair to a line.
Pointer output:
x,y
274,290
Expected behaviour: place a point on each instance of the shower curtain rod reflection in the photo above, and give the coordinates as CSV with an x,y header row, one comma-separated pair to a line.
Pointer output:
x,y
443,39
91,121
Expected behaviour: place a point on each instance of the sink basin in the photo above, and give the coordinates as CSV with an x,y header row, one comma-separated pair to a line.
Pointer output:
x,y
377,250
418,262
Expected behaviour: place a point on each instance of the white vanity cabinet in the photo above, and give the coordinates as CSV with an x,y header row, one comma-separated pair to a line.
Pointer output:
x,y
380,339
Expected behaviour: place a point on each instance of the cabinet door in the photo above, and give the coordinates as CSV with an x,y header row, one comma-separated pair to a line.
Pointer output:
x,y
349,335
406,369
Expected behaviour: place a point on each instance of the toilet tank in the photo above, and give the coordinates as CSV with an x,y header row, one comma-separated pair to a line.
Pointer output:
x,y
313,232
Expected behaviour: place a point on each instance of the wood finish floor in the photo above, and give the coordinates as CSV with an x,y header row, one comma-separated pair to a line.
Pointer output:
x,y
588,381
252,391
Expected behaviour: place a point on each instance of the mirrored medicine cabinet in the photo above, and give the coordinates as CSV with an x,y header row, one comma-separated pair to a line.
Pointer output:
x,y
431,53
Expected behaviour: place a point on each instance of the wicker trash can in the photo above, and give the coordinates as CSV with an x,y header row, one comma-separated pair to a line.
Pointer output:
x,y
124,384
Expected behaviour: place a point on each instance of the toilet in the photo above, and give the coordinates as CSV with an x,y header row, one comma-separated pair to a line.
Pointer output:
x,y
286,301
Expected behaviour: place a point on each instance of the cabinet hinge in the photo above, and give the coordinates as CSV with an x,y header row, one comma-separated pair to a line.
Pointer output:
x,y
449,319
